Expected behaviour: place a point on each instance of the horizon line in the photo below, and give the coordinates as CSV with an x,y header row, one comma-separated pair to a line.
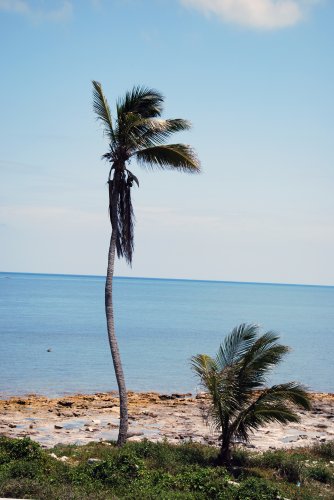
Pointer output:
x,y
171,279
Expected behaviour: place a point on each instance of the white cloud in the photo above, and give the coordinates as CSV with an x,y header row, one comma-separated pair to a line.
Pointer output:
x,y
45,214
263,14
35,13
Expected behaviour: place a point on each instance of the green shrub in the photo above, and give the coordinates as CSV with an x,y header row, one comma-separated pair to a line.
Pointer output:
x,y
154,471
194,453
256,489
158,455
324,450
19,449
289,466
42,490
200,479
24,487
292,470
320,473
241,457
23,469
190,482
4,457
169,457
270,459
122,468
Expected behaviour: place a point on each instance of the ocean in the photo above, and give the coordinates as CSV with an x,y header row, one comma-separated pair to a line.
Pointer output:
x,y
160,324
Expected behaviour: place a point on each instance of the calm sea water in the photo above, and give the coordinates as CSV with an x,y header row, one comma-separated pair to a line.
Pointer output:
x,y
160,325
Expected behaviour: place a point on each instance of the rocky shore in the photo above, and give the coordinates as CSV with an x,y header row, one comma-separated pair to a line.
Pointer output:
x,y
82,418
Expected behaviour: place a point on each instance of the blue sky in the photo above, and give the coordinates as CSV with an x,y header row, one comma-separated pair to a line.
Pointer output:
x,y
255,77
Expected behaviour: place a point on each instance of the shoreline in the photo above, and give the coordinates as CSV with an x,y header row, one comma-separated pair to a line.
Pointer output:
x,y
83,418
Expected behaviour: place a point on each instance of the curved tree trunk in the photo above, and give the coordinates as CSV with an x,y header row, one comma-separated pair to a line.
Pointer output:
x,y
123,397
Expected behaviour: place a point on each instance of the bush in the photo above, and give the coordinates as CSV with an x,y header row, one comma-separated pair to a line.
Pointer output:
x,y
122,468
320,473
270,459
160,455
324,450
194,453
240,457
289,466
256,489
18,449
170,458
201,479
21,488
190,482
292,470
23,469
152,471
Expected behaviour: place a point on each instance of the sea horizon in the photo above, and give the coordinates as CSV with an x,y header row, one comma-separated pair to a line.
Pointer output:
x,y
160,324
170,279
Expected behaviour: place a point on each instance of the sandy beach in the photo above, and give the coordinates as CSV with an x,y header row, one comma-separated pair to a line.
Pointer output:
x,y
80,419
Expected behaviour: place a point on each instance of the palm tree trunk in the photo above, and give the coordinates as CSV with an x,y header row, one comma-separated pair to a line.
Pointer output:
x,y
224,457
123,397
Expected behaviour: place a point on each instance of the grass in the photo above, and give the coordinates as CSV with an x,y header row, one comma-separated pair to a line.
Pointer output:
x,y
146,470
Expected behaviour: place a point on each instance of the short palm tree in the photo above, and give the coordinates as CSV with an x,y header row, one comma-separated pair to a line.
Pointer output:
x,y
138,133
235,380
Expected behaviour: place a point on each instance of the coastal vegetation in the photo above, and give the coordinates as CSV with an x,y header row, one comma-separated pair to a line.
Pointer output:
x,y
138,133
146,470
235,381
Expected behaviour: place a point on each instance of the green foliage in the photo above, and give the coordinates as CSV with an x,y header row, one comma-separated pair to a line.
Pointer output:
x,y
324,450
257,489
145,470
241,457
23,487
23,469
210,481
320,473
16,449
292,469
120,469
82,453
231,378
162,455
289,466
138,133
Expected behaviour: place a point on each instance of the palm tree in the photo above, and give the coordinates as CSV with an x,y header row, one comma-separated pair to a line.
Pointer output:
x,y
138,133
235,381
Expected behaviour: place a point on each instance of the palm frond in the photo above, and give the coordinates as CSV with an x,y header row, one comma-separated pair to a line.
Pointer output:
x,y
263,415
151,132
142,101
236,344
137,133
102,110
172,156
120,194
262,356
265,352
240,367
220,385
273,404
125,135
291,392
203,365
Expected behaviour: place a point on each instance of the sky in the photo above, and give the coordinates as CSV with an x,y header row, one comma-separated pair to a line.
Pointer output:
x,y
255,78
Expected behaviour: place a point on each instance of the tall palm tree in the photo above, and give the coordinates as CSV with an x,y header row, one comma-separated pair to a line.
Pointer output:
x,y
235,380
138,133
